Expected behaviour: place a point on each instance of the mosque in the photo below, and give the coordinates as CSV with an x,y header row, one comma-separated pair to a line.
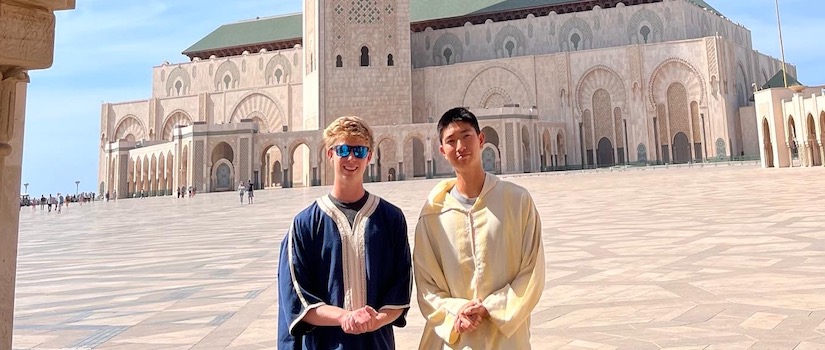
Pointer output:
x,y
556,84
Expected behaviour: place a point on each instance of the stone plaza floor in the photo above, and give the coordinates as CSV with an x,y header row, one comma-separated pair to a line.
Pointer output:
x,y
727,257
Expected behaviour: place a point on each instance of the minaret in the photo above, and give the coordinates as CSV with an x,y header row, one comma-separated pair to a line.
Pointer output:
x,y
357,61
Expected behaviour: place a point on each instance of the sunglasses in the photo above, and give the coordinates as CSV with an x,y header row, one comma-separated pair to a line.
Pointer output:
x,y
344,151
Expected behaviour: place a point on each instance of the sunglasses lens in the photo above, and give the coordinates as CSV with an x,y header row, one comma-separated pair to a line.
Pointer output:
x,y
360,151
342,151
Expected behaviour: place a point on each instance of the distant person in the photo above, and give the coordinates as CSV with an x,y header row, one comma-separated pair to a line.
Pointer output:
x,y
249,189
107,196
59,203
241,190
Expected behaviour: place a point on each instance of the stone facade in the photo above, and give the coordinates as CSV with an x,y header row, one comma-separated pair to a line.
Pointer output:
x,y
639,84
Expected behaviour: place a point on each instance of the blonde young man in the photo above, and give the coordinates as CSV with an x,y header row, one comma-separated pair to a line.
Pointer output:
x,y
479,259
345,274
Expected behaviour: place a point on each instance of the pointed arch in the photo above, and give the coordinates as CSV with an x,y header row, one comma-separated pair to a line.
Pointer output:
x,y
178,82
227,69
645,18
676,70
263,107
600,77
386,157
514,37
275,63
498,76
767,144
451,42
578,28
414,155
130,125
174,119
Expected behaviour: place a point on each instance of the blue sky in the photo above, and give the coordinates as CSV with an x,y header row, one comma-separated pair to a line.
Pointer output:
x,y
105,51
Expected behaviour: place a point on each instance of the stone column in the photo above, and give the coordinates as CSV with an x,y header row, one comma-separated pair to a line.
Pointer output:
x,y
26,42
822,154
12,110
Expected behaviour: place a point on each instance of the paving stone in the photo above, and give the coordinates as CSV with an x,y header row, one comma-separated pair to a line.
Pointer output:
x,y
701,258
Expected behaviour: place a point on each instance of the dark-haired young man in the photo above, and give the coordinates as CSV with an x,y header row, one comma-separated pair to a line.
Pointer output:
x,y
478,256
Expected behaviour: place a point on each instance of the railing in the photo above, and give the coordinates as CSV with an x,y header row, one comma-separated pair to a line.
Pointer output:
x,y
732,161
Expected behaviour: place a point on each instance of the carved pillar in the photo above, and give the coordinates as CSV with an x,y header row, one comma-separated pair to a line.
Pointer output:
x,y
822,154
12,111
26,42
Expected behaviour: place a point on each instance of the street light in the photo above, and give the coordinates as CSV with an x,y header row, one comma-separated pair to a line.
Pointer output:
x,y
77,189
26,185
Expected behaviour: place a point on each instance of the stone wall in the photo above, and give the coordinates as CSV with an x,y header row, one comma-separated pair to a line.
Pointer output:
x,y
671,20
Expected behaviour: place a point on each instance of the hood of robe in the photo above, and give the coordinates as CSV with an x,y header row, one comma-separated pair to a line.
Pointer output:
x,y
439,200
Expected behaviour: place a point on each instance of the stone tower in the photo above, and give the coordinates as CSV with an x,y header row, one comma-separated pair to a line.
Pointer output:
x,y
357,61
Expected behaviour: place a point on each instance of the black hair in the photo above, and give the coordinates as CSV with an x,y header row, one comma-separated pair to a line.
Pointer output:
x,y
458,114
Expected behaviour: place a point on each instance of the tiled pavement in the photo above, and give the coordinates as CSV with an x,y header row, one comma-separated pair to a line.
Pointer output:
x,y
715,258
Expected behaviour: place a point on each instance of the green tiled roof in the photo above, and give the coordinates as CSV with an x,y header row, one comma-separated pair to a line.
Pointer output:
x,y
425,10
287,27
251,32
778,81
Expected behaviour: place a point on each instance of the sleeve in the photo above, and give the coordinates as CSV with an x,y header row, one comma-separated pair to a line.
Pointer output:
x,y
295,273
511,305
436,304
400,289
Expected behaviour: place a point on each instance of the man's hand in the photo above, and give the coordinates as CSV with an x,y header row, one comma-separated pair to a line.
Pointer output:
x,y
359,321
478,309
470,317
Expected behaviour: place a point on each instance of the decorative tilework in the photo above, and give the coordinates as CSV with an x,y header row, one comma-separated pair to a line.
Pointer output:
x,y
602,114
197,164
677,107
244,160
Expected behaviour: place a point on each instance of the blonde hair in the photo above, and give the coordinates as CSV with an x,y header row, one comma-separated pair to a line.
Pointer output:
x,y
348,127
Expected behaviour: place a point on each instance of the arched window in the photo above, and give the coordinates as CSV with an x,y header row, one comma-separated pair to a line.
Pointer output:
x,y
178,86
278,74
390,61
226,81
365,57
645,32
339,61
447,54
575,39
510,46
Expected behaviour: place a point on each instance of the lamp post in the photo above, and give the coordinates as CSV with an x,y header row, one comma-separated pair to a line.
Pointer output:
x,y
77,187
26,185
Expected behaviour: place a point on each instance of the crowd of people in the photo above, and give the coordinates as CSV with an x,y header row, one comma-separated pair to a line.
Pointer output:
x,y
56,203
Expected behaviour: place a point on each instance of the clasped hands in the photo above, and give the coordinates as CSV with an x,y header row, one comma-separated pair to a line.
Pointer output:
x,y
360,321
470,317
